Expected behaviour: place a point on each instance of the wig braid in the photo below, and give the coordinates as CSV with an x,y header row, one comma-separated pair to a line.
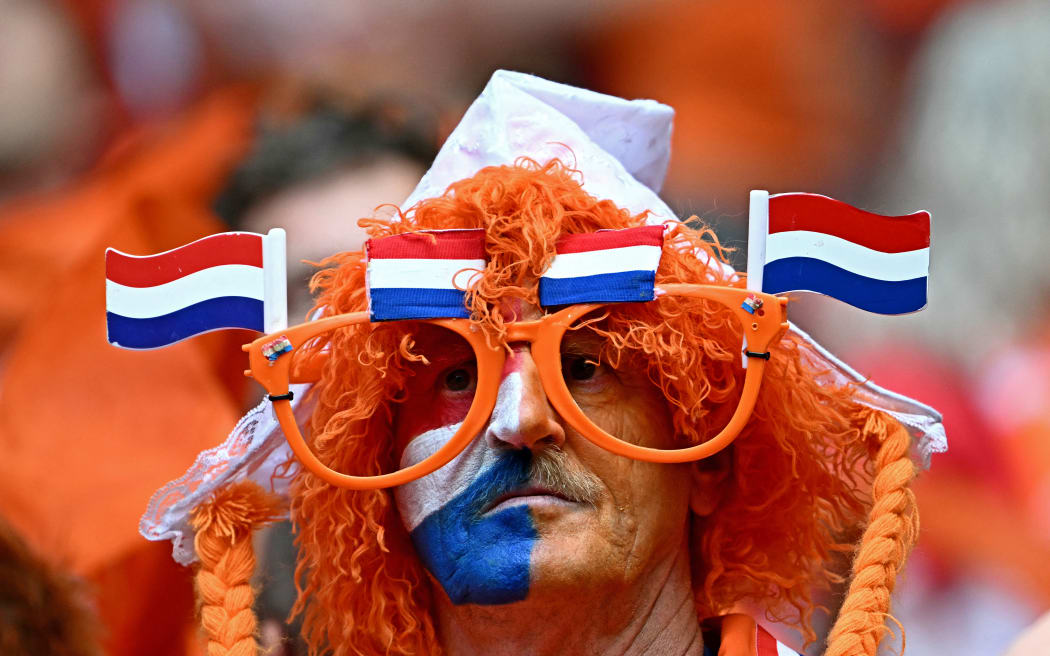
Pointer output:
x,y
892,530
223,542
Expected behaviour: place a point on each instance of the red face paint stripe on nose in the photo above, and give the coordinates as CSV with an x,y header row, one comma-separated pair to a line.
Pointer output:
x,y
514,362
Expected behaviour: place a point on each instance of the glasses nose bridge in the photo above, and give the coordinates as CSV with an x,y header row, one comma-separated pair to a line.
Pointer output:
x,y
523,415
523,331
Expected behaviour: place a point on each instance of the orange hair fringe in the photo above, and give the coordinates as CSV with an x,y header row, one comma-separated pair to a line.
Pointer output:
x,y
800,474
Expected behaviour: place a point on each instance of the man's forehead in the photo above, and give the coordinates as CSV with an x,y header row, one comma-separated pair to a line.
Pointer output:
x,y
438,344
518,309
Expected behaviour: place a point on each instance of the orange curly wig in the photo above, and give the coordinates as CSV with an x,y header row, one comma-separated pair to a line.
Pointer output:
x,y
808,473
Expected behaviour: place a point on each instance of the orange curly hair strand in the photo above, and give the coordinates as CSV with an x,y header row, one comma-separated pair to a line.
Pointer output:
x,y
799,474
224,527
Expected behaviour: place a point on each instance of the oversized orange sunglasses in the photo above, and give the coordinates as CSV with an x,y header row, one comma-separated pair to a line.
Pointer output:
x,y
296,364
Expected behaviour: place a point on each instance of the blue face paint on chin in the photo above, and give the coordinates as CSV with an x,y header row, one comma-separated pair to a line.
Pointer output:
x,y
481,559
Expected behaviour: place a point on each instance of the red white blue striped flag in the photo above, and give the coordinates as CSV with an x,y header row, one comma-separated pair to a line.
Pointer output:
x,y
603,267
228,280
767,645
423,275
808,242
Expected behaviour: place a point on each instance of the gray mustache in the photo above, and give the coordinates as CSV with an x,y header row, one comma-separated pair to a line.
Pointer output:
x,y
552,468
549,468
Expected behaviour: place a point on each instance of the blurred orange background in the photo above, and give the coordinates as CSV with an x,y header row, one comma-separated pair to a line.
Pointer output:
x,y
144,124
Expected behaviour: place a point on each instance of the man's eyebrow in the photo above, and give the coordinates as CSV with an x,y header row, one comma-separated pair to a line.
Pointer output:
x,y
442,349
583,335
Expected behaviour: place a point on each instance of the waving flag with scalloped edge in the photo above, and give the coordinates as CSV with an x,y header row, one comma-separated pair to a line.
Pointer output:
x,y
808,242
227,280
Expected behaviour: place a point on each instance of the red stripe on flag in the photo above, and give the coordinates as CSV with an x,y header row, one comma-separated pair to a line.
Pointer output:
x,y
215,250
889,234
767,644
435,245
604,239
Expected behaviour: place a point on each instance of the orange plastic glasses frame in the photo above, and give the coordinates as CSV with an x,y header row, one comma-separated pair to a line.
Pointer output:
x,y
545,336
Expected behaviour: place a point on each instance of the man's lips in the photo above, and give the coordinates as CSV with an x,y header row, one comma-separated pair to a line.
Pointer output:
x,y
528,491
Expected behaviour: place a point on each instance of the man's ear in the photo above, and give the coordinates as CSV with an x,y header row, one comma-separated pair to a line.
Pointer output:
x,y
708,480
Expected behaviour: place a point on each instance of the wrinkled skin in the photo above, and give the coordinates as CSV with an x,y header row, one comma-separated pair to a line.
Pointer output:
x,y
606,570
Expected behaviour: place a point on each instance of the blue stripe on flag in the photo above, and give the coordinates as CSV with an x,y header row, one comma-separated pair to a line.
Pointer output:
x,y
621,287
871,294
392,303
212,314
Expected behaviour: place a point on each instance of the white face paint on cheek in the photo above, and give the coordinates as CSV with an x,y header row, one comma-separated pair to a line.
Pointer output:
x,y
423,496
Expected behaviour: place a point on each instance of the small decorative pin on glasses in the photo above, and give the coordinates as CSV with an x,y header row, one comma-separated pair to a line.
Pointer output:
x,y
276,348
751,304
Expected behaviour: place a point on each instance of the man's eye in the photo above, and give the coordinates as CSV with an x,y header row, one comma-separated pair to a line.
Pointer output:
x,y
579,368
458,380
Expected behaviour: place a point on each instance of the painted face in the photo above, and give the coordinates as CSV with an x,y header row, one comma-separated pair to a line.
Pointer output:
x,y
530,507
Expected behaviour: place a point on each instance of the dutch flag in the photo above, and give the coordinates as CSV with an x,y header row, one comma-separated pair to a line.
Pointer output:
x,y
423,275
808,242
603,267
228,280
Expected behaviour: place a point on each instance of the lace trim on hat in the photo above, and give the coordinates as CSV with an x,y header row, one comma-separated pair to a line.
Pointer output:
x,y
925,424
255,450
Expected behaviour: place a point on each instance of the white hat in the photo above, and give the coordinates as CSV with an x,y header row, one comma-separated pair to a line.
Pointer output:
x,y
622,148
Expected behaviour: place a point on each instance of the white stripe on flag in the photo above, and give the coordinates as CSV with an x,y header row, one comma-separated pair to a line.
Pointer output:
x,y
214,282
846,255
784,650
609,260
408,273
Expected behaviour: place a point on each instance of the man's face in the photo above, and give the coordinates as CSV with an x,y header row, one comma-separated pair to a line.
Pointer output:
x,y
531,508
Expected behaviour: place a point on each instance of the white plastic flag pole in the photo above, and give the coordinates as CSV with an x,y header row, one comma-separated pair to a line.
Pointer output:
x,y
275,281
757,231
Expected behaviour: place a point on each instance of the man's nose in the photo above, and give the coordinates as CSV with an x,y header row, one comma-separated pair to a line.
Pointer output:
x,y
523,417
